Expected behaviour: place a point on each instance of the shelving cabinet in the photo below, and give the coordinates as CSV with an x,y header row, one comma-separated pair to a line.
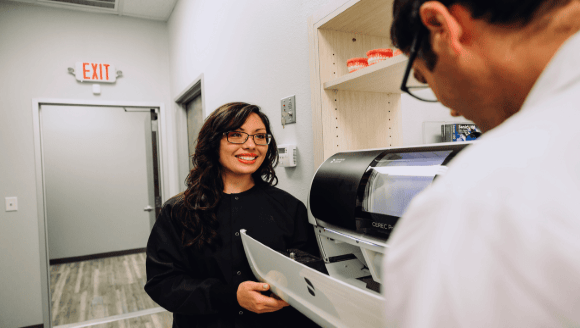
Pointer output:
x,y
359,110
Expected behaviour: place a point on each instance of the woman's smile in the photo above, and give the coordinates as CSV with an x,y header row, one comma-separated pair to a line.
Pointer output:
x,y
247,158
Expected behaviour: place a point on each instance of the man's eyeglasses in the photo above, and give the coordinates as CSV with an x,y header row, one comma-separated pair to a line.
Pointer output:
x,y
237,137
417,90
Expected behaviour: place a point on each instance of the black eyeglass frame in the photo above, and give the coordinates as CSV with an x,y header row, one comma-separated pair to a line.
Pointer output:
x,y
412,55
268,138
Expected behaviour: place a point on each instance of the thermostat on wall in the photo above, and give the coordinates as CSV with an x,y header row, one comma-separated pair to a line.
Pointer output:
x,y
287,155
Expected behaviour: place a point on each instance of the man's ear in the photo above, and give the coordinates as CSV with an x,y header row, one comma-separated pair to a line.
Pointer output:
x,y
446,32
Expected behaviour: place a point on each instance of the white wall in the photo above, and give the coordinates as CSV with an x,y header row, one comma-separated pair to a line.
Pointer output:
x,y
257,52
37,44
253,51
417,112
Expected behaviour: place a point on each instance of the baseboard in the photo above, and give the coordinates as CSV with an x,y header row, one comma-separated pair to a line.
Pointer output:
x,y
35,326
94,257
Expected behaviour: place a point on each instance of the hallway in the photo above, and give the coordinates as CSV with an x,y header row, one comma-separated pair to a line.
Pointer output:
x,y
103,290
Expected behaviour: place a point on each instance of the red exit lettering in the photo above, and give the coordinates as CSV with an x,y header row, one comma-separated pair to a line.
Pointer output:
x,y
97,71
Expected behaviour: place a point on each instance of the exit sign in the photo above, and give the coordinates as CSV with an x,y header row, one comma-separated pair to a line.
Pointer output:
x,y
95,72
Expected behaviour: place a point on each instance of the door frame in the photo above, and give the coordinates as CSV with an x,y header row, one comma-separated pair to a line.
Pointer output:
x,y
167,176
193,90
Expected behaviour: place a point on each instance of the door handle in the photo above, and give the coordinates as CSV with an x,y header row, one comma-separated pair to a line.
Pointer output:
x,y
148,208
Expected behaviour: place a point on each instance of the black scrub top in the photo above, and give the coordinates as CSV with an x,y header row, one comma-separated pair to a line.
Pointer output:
x,y
200,286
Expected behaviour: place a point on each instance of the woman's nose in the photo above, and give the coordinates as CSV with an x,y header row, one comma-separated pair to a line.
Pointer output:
x,y
250,142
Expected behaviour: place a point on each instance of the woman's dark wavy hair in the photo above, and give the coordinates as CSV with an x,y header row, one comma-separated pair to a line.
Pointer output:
x,y
512,13
204,182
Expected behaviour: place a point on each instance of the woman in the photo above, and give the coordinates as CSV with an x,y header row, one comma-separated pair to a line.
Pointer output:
x,y
196,265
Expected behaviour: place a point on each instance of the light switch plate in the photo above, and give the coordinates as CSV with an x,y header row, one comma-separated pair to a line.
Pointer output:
x,y
11,204
288,108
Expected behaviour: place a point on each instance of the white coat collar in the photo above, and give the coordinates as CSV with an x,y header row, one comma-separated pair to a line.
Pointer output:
x,y
562,71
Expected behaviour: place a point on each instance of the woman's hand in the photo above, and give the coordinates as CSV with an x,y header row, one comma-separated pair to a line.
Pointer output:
x,y
250,298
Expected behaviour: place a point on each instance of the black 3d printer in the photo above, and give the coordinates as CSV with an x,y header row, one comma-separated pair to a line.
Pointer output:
x,y
355,200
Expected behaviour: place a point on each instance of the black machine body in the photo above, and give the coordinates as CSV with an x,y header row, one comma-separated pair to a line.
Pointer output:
x,y
368,191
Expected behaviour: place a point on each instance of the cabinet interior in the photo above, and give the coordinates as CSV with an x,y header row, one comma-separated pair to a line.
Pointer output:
x,y
359,110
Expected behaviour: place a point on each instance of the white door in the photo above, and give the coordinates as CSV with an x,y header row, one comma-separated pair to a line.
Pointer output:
x,y
98,170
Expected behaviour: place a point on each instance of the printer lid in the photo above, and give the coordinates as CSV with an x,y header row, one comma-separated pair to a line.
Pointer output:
x,y
325,300
375,185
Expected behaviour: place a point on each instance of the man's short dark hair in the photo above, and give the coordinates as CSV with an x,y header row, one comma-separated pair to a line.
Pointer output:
x,y
514,13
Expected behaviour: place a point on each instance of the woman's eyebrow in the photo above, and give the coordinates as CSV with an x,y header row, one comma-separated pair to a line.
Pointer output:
x,y
258,129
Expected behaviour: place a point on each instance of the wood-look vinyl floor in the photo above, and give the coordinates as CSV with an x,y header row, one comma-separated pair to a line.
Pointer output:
x,y
102,288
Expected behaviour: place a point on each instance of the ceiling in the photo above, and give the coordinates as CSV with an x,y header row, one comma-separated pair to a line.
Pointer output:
x,y
158,10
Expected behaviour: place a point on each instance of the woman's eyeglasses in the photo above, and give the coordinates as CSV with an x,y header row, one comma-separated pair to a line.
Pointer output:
x,y
237,137
418,90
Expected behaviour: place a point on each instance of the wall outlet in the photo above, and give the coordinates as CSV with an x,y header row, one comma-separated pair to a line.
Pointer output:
x,y
288,107
11,204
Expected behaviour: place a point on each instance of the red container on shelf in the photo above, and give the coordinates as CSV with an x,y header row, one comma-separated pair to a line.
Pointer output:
x,y
397,52
354,64
376,55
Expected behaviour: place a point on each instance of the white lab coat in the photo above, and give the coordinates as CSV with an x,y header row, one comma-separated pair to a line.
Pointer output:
x,y
496,241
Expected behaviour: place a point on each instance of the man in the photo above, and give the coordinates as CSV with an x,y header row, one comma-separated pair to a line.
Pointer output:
x,y
496,241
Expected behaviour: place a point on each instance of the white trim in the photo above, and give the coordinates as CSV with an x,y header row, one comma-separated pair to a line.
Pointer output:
x,y
41,212
114,318
168,176
85,102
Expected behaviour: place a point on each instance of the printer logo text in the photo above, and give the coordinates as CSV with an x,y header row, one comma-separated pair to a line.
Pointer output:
x,y
382,225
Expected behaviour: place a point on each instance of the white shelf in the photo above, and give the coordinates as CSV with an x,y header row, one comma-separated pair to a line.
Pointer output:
x,y
385,76
368,17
